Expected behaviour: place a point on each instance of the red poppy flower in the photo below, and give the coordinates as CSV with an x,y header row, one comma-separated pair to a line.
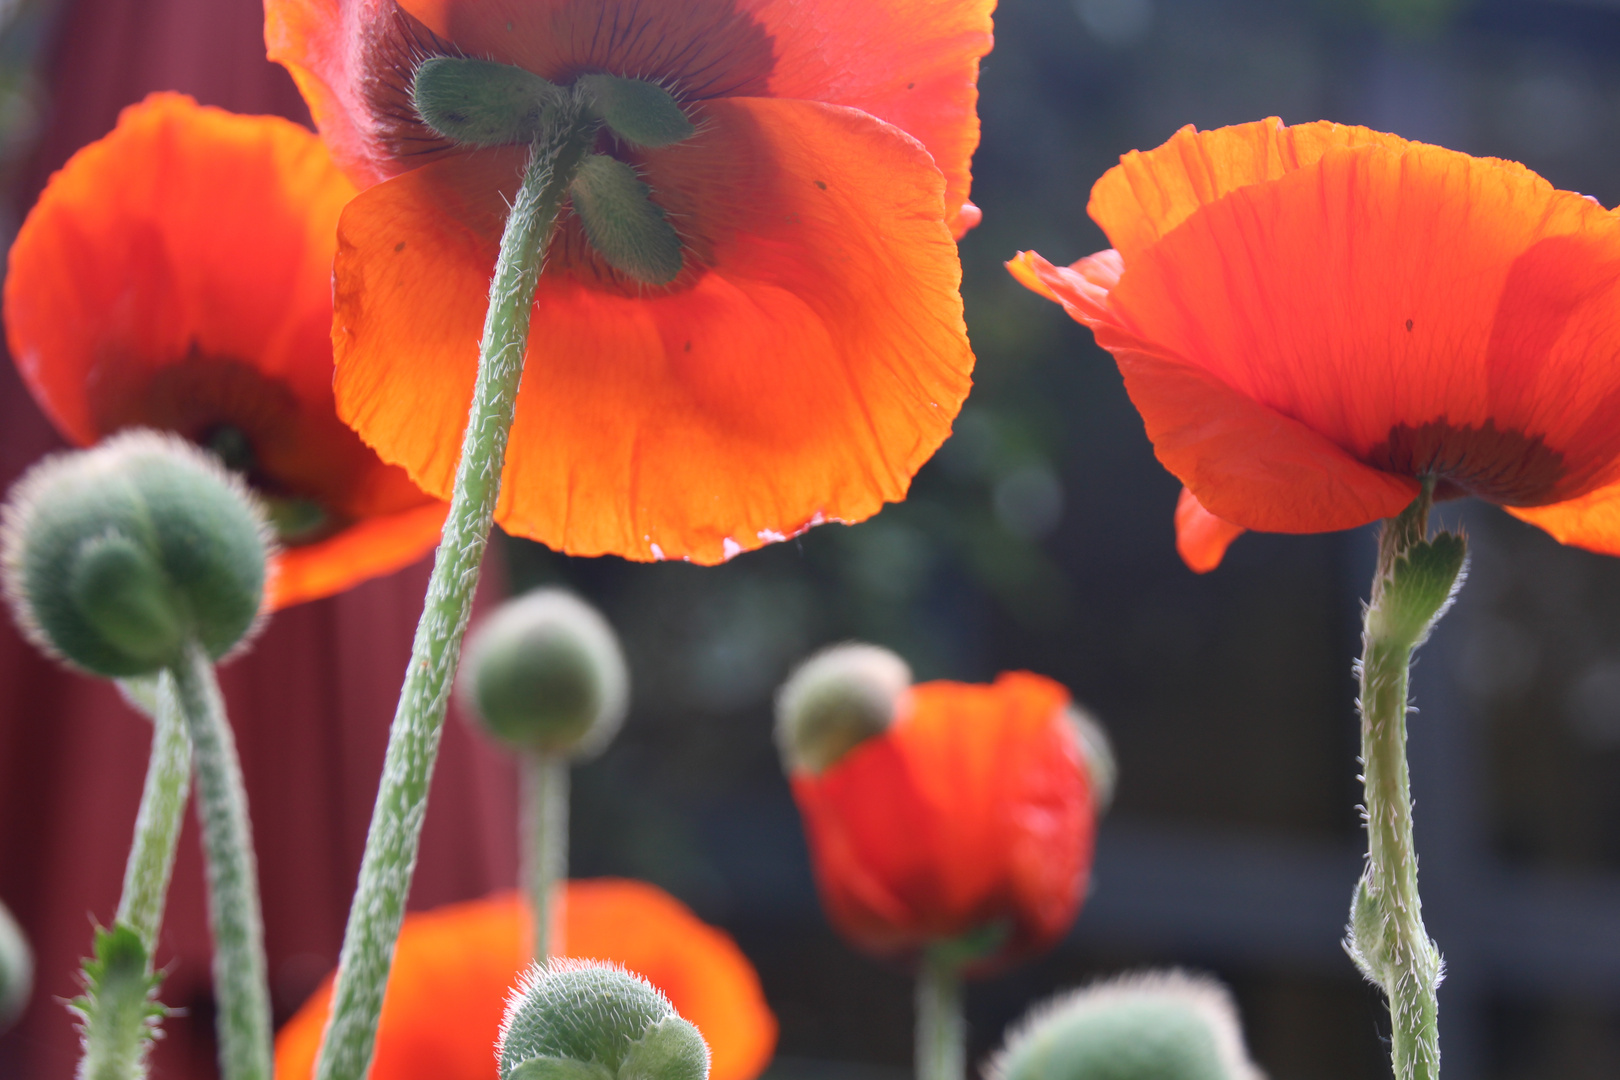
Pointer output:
x,y
177,274
1310,318
971,815
454,966
811,354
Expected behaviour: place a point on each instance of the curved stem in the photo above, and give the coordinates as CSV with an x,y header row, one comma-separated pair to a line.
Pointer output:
x,y
157,824
1387,933
941,1032
240,985
545,847
413,740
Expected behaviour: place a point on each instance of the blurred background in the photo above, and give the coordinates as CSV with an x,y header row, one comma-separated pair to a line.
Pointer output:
x,y
1040,538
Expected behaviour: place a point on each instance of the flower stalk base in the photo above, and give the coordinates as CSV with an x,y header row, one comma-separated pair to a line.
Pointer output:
x,y
240,982
1415,582
413,739
941,1031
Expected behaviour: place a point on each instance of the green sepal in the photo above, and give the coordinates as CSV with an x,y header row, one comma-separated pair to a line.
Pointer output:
x,y
120,589
640,112
482,103
672,1049
622,223
1419,588
118,1011
558,1068
1366,941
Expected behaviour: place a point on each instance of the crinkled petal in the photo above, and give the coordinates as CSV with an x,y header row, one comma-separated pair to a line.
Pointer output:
x,y
1591,521
802,368
1201,537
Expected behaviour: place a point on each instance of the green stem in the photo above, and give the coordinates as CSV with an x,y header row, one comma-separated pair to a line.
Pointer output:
x,y
157,824
941,1032
545,846
1387,919
413,740
240,986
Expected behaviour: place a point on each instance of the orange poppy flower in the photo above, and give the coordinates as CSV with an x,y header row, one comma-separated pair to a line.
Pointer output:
x,y
177,275
811,354
454,966
1310,318
971,815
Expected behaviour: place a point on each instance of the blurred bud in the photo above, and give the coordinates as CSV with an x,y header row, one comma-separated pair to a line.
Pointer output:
x,y
586,1020
836,700
16,969
115,557
1098,752
1152,1025
544,673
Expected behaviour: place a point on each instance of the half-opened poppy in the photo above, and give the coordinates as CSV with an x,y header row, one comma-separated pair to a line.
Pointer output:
x,y
1311,318
454,966
176,274
809,356
969,821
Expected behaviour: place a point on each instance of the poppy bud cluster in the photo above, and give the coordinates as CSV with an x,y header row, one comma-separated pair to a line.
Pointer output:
x,y
544,674
118,556
583,1020
1155,1025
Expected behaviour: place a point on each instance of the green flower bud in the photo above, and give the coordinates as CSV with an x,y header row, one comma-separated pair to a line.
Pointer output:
x,y
1154,1025
544,673
640,112
622,223
16,969
836,700
586,1020
114,557
1098,754
482,103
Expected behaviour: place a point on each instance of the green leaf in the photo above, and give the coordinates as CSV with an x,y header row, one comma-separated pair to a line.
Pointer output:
x,y
641,112
482,103
622,223
118,1011
1419,588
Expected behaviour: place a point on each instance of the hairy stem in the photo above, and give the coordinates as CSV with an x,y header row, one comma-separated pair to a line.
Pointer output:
x,y
240,985
413,740
1387,919
545,847
157,824
941,1032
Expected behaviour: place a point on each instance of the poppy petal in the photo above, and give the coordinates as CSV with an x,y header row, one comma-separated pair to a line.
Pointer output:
x,y
912,63
1591,521
1201,537
454,966
370,548
803,368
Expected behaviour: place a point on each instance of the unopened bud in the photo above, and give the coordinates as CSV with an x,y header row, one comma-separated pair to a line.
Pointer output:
x,y
544,673
16,969
1098,754
836,700
115,557
586,1020
482,103
622,223
1155,1025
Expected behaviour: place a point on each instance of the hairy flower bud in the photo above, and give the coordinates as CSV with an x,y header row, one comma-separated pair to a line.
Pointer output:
x,y
586,1020
836,700
16,969
116,556
545,673
1154,1025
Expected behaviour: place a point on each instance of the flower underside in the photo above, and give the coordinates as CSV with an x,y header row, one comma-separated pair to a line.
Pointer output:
x,y
1501,465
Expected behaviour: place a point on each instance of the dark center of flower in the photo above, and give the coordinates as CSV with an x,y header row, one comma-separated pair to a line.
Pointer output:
x,y
296,520
1502,466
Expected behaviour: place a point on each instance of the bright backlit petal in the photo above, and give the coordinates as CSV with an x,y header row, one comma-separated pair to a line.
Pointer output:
x,y
1201,537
